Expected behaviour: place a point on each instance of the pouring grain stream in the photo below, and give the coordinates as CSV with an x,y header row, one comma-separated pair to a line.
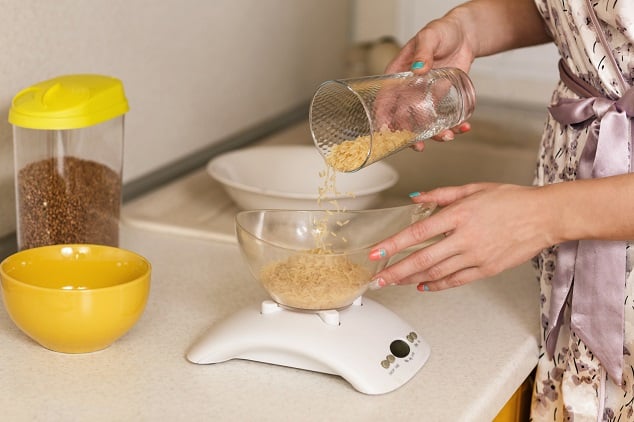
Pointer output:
x,y
322,277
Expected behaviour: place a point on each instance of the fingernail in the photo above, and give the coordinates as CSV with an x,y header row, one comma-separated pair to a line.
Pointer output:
x,y
465,127
377,254
422,287
377,284
447,137
414,194
418,65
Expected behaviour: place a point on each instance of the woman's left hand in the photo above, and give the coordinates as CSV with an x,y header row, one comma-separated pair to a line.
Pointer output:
x,y
483,229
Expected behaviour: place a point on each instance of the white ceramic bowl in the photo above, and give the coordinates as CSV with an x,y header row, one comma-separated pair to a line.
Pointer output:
x,y
288,177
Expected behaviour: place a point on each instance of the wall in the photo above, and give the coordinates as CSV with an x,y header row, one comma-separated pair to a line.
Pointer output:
x,y
525,76
195,72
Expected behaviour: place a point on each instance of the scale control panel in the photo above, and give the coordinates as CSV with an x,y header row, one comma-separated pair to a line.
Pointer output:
x,y
400,349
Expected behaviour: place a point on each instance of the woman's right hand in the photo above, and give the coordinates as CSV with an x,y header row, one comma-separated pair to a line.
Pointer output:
x,y
441,43
473,29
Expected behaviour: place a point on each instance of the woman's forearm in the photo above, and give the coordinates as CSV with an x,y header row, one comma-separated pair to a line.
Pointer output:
x,y
590,209
494,26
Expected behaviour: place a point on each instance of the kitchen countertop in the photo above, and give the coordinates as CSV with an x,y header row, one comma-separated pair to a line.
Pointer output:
x,y
483,338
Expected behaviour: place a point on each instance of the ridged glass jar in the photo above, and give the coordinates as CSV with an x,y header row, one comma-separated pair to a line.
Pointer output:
x,y
356,122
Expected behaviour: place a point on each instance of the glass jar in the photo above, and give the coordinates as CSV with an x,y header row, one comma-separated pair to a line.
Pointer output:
x,y
68,156
357,122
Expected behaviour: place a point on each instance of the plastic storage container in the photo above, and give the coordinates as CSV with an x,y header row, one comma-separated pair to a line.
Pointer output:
x,y
356,122
68,154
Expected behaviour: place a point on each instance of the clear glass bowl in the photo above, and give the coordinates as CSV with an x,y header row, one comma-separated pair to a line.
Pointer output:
x,y
318,260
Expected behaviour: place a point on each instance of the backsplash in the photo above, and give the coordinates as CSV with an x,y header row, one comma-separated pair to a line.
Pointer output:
x,y
194,72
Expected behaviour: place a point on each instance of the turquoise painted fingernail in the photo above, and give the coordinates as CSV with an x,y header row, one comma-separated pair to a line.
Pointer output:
x,y
422,287
414,194
377,284
377,254
418,65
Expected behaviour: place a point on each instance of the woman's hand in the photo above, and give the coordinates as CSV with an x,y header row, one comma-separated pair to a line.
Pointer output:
x,y
441,43
473,29
482,230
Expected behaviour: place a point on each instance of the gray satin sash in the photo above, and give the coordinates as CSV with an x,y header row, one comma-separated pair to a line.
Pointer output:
x,y
596,268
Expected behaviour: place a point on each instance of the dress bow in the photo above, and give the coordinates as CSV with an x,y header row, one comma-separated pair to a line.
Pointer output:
x,y
596,268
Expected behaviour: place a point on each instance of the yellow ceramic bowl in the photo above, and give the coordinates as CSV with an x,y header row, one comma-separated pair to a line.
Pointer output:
x,y
75,298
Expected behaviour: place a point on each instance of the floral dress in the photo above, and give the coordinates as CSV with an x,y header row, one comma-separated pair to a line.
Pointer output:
x,y
573,385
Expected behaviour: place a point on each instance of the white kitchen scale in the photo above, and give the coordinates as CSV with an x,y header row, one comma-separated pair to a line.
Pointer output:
x,y
366,344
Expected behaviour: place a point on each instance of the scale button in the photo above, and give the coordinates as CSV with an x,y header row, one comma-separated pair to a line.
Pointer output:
x,y
399,348
390,358
385,363
411,337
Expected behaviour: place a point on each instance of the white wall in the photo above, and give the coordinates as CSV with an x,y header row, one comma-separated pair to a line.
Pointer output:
x,y
526,76
194,71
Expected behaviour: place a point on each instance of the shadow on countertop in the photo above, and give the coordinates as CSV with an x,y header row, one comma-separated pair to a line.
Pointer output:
x,y
8,246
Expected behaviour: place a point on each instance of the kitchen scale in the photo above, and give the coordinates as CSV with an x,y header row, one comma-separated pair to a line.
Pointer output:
x,y
366,344
356,338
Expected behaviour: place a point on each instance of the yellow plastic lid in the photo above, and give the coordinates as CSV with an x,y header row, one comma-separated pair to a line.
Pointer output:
x,y
69,102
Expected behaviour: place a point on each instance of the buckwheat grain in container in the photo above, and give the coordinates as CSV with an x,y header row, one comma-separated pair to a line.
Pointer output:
x,y
68,154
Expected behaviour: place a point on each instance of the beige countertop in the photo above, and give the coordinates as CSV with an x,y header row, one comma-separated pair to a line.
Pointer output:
x,y
483,340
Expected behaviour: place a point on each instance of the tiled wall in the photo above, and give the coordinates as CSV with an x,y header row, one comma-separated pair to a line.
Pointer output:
x,y
195,72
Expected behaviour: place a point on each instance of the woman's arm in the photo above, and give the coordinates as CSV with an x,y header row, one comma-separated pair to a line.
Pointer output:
x,y
489,228
600,208
494,26
473,29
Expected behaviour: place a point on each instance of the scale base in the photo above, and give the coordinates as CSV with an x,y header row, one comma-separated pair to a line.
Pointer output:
x,y
366,344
